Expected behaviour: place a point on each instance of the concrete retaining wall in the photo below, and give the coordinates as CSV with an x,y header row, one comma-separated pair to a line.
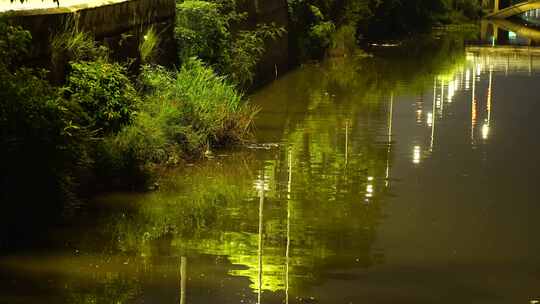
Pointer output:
x,y
103,18
113,20
120,24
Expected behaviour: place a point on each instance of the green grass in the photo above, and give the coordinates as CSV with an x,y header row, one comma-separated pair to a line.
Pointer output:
x,y
211,111
148,46
183,114
74,45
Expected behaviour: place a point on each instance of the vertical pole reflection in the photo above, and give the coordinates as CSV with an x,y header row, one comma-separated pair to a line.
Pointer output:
x,y
485,127
390,121
434,116
287,252
507,65
183,279
442,96
346,142
530,63
473,109
259,252
490,93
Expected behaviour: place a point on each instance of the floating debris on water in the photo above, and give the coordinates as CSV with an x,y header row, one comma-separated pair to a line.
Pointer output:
x,y
264,146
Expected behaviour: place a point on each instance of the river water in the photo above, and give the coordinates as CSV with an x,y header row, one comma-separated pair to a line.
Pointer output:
x,y
408,176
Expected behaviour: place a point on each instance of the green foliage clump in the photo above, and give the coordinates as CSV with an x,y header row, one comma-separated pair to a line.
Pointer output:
x,y
104,92
311,20
98,126
312,30
322,32
211,111
14,44
203,30
125,160
247,50
183,114
42,144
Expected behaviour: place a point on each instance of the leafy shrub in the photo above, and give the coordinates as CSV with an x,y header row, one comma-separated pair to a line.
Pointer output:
x,y
247,50
69,45
104,92
40,133
203,30
124,160
311,31
42,145
212,110
14,44
183,113
321,34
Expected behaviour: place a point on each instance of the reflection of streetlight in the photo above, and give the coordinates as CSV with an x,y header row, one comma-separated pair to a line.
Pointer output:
x,y
451,90
419,108
485,131
287,250
390,118
369,187
416,155
433,117
261,184
442,96
473,110
429,119
485,126
490,95
369,190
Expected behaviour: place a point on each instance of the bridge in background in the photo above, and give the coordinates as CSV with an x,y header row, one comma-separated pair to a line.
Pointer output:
x,y
507,32
503,9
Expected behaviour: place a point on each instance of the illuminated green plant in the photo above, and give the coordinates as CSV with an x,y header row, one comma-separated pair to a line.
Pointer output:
x,y
73,45
212,110
148,47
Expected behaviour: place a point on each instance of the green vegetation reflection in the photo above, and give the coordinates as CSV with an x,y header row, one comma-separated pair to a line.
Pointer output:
x,y
287,213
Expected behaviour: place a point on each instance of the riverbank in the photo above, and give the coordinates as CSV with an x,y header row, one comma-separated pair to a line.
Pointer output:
x,y
115,124
367,163
104,128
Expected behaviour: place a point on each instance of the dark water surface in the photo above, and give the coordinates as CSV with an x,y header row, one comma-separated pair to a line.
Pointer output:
x,y
406,177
